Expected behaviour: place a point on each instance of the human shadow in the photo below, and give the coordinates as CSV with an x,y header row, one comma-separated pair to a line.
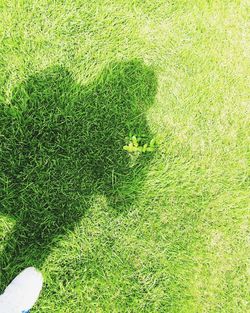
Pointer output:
x,y
62,143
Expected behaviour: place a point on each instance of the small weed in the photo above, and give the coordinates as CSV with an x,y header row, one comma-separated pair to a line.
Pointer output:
x,y
136,147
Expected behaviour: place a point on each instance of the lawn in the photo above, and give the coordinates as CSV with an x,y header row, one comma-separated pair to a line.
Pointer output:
x,y
116,231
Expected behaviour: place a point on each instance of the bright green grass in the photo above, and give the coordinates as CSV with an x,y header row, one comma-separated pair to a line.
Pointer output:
x,y
77,77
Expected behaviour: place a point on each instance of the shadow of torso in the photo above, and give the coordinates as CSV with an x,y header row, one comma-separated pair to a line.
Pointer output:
x,y
61,143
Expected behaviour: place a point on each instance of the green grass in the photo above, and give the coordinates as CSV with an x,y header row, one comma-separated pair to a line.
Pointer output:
x,y
77,79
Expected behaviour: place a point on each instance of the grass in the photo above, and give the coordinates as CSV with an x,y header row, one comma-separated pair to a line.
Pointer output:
x,y
169,234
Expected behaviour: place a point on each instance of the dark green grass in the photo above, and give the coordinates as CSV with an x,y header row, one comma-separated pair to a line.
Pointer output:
x,y
62,144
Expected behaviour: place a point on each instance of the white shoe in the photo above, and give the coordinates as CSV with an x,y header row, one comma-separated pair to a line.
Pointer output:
x,y
22,293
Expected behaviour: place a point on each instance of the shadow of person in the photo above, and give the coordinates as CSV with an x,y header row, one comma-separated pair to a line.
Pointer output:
x,y
61,144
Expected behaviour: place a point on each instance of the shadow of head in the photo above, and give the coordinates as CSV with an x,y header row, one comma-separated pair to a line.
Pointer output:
x,y
62,143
